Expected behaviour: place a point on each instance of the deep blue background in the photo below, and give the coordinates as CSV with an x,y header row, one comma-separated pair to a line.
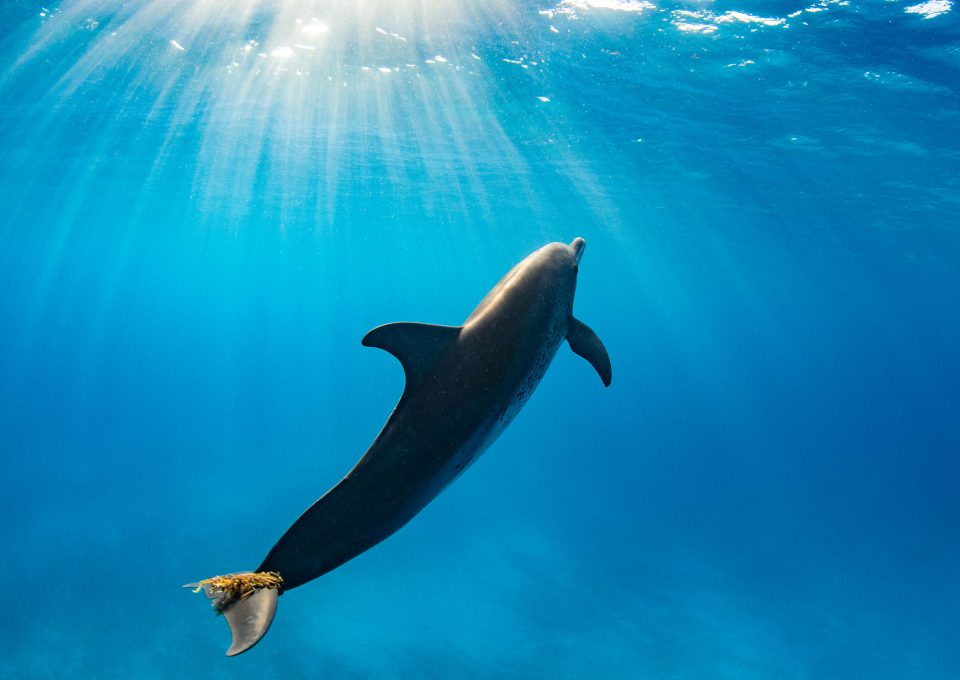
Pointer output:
x,y
192,244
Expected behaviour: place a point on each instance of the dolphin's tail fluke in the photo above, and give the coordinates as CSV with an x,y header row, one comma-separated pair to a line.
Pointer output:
x,y
247,600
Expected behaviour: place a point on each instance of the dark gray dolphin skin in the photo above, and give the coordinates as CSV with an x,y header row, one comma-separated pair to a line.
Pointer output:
x,y
464,384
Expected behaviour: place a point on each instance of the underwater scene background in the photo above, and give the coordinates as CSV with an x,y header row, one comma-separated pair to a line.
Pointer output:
x,y
204,205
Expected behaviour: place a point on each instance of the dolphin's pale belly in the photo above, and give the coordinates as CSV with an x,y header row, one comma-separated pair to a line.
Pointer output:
x,y
500,419
520,396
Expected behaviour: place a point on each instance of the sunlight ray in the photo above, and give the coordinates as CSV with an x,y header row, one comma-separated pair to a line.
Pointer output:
x,y
286,101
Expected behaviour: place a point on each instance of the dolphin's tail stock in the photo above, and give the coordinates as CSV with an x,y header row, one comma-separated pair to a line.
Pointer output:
x,y
247,600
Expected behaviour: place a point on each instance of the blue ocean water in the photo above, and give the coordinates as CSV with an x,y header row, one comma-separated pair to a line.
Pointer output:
x,y
205,205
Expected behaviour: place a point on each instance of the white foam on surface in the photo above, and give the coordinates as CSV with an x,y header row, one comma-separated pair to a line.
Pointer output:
x,y
741,17
687,27
570,8
930,9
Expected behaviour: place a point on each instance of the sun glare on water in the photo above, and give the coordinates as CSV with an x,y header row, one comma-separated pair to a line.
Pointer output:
x,y
312,94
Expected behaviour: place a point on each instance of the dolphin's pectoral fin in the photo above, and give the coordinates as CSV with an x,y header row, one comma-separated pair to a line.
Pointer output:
x,y
418,346
584,341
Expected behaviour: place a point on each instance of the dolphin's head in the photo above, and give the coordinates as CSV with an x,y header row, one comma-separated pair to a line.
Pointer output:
x,y
555,267
559,260
547,278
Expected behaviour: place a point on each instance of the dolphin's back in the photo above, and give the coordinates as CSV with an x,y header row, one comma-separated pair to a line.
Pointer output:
x,y
445,419
450,412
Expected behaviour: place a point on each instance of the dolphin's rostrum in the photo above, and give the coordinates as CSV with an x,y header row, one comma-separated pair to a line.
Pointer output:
x,y
464,384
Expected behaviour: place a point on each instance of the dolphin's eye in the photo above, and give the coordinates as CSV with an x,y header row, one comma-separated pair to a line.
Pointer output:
x,y
576,269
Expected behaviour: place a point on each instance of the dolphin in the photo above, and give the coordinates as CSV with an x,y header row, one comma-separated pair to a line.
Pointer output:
x,y
464,384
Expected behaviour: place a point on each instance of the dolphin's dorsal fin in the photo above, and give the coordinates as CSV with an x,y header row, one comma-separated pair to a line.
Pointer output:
x,y
418,346
585,342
